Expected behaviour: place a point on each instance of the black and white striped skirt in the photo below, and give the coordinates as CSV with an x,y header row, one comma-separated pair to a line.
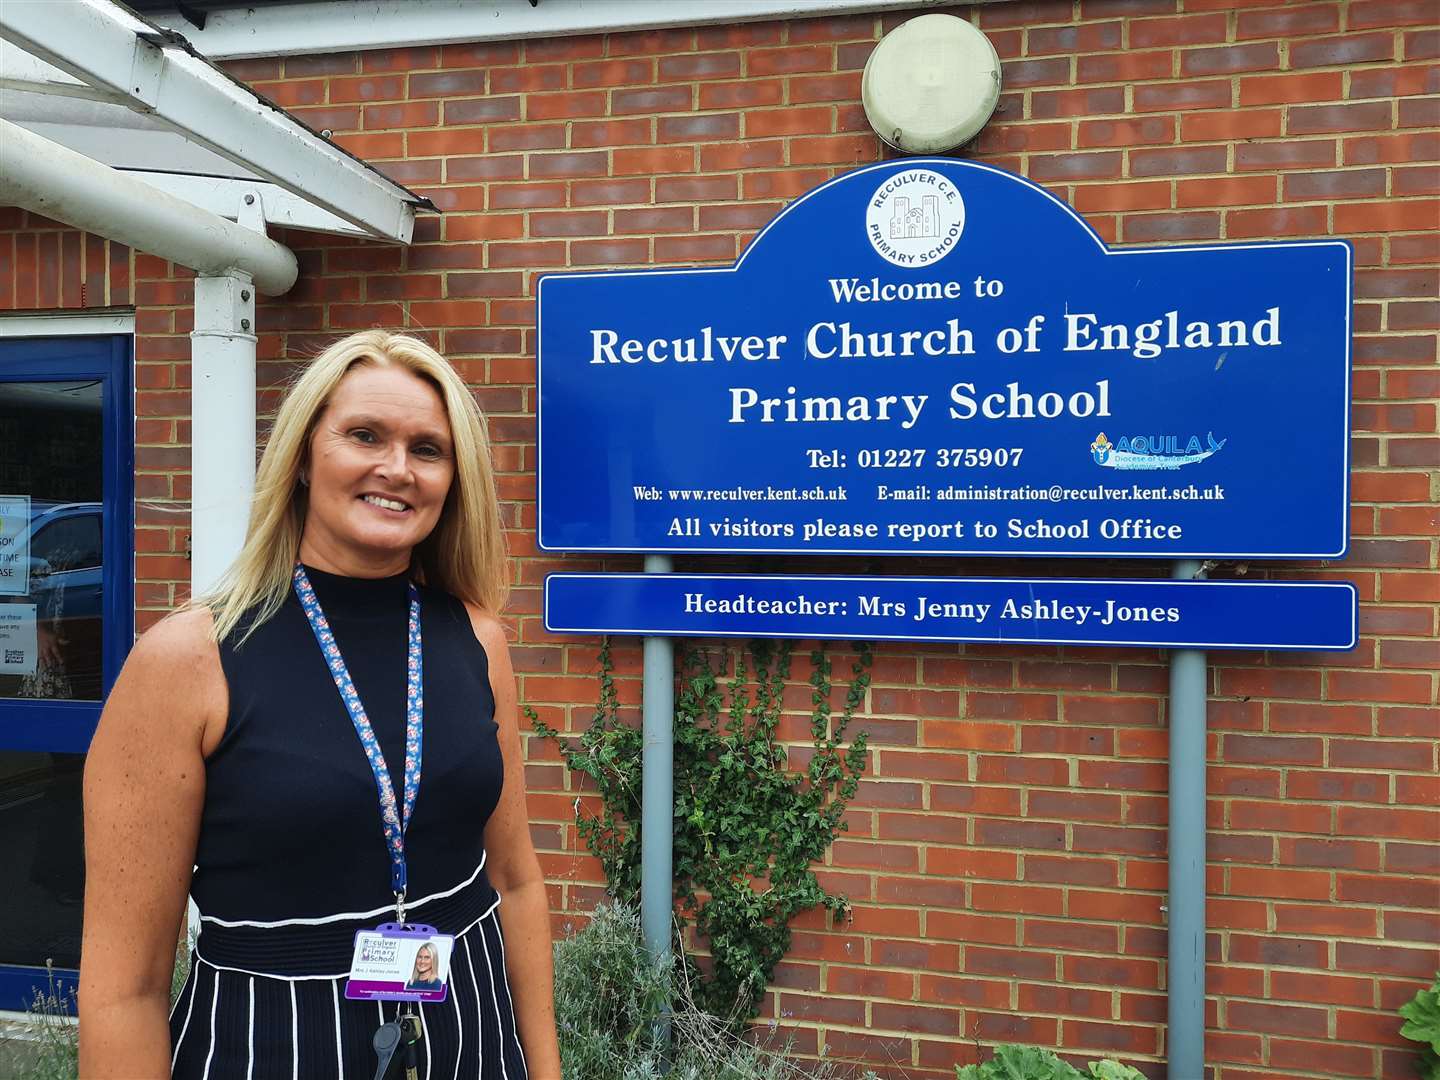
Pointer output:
x,y
249,1012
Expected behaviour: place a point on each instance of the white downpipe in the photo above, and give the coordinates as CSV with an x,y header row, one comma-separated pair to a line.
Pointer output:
x,y
222,453
47,178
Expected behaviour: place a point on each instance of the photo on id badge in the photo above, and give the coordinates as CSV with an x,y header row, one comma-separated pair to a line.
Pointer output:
x,y
395,963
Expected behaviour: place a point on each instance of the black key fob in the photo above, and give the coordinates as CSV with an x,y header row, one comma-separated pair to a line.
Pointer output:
x,y
412,1036
386,1042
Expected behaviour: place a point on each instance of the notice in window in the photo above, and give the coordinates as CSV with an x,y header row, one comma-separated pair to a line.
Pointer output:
x,y
15,552
19,647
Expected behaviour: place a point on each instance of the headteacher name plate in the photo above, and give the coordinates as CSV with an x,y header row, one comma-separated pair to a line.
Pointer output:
x,y
1159,614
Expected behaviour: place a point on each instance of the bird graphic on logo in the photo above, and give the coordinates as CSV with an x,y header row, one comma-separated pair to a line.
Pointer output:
x,y
1101,448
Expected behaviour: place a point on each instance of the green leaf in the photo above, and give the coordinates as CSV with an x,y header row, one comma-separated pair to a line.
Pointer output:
x,y
1106,1069
1032,1063
1422,1018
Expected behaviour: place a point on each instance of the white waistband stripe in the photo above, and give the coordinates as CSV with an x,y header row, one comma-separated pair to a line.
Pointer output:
x,y
346,916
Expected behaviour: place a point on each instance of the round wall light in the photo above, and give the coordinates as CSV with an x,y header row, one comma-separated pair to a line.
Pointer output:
x,y
931,84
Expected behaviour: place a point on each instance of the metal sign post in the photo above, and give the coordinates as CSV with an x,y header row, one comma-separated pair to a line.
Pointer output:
x,y
657,878
1185,973
658,720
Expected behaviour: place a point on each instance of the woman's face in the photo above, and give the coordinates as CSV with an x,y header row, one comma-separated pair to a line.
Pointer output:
x,y
381,462
425,962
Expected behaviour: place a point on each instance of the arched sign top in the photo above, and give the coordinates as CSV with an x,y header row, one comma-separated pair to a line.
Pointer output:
x,y
934,356
925,199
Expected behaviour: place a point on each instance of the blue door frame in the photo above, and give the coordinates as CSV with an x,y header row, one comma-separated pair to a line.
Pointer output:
x,y
67,726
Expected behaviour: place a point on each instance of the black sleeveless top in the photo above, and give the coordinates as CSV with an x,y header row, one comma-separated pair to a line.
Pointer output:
x,y
291,858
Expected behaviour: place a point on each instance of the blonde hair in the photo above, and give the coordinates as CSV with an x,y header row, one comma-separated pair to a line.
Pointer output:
x,y
463,555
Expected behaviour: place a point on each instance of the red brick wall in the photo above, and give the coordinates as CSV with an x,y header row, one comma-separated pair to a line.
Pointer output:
x,y
1006,853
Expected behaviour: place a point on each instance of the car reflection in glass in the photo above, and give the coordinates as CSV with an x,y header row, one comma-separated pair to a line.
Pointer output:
x,y
65,585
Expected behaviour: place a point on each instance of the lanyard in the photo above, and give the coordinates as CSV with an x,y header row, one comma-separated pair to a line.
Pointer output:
x,y
395,820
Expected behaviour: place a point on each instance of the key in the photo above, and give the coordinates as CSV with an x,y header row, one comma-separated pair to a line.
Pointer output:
x,y
412,1036
386,1041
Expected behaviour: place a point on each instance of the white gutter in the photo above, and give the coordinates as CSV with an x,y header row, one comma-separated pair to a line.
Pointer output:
x,y
330,26
49,179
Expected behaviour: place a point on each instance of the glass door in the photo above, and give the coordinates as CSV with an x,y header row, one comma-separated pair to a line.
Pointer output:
x,y
66,623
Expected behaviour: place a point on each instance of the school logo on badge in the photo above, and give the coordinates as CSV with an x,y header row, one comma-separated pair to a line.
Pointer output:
x,y
915,218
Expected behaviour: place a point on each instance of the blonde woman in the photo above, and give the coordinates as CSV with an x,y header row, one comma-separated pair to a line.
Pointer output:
x,y
327,739
425,973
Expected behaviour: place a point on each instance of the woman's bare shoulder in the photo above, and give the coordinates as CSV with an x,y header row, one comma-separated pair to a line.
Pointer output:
x,y
488,628
182,638
176,662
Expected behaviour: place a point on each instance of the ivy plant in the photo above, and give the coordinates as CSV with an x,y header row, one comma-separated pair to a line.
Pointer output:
x,y
746,828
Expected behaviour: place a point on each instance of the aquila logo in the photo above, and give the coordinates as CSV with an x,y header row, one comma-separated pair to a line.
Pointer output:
x,y
1152,451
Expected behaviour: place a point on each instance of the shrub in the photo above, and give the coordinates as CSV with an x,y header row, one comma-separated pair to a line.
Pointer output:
x,y
611,999
52,1050
609,995
1032,1063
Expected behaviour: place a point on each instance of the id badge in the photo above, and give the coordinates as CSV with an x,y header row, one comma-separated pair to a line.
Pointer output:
x,y
396,962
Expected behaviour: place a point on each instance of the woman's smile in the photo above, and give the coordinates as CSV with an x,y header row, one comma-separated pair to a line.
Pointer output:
x,y
390,505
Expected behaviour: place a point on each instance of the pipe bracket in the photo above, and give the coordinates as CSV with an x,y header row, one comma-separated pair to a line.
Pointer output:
x,y
251,212
224,305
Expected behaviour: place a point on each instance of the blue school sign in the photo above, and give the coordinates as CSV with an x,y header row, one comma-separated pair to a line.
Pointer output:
x,y
940,357
1162,614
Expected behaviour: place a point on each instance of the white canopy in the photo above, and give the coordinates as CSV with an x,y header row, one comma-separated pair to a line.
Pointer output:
x,y
93,77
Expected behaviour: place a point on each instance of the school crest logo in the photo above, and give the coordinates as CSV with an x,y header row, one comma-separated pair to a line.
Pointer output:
x,y
915,218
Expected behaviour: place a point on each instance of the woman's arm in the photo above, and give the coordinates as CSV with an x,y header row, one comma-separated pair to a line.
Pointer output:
x,y
144,790
515,871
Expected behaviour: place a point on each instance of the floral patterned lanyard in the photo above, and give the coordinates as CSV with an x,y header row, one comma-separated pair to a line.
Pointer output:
x,y
395,820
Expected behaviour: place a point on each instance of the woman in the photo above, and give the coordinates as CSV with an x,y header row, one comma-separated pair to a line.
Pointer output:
x,y
351,651
425,974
